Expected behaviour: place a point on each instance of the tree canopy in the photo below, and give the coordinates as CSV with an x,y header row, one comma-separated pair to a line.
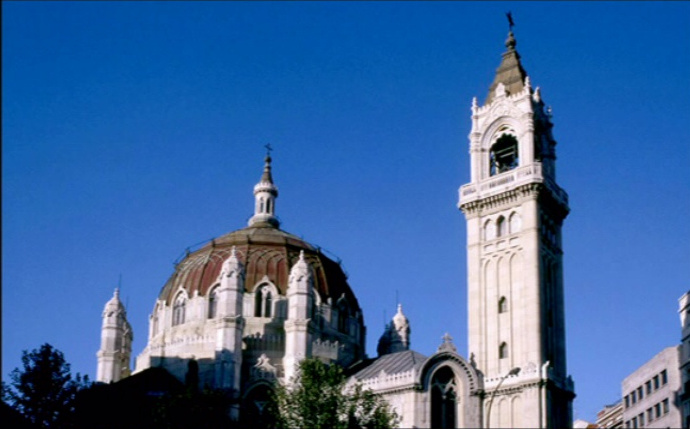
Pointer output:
x,y
43,391
319,396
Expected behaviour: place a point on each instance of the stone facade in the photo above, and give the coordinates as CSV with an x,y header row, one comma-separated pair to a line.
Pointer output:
x,y
515,211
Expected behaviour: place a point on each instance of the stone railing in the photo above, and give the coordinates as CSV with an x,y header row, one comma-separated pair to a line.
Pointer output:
x,y
502,182
384,381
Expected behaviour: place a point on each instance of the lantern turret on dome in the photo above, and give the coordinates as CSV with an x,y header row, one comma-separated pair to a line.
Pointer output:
x,y
265,194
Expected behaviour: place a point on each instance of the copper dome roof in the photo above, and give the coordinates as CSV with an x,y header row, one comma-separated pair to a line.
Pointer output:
x,y
264,251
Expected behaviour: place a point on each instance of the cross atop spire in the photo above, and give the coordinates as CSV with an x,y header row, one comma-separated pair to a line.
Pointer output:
x,y
511,23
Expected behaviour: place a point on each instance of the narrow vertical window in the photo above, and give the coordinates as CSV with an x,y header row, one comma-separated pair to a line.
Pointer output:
x,y
502,305
261,205
443,399
489,230
503,351
179,310
501,227
267,304
268,205
514,223
664,377
212,304
258,301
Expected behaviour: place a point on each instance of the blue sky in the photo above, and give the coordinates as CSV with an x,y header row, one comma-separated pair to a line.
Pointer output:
x,y
132,130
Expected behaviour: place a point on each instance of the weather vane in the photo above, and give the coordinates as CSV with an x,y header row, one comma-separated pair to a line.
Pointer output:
x,y
268,149
511,24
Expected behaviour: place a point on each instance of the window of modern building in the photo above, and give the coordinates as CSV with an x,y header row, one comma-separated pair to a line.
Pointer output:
x,y
648,385
657,410
640,420
627,401
650,414
640,393
664,377
664,405
633,397
655,380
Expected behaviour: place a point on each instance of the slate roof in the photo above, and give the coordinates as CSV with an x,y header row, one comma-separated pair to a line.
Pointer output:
x,y
393,363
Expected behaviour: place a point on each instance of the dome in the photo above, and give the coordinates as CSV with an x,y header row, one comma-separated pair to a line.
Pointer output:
x,y
266,252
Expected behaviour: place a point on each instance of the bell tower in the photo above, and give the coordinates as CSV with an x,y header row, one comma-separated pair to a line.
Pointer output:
x,y
514,211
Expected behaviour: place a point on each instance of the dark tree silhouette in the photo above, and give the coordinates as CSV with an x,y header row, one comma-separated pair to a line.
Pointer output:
x,y
43,390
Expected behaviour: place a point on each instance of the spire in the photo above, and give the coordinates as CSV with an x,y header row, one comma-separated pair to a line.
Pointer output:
x,y
510,73
265,194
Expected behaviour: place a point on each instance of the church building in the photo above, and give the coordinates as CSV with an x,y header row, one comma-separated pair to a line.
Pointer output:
x,y
245,308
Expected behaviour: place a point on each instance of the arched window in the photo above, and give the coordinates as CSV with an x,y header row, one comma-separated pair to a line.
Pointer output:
x,y
501,227
267,304
503,351
443,399
179,310
255,413
268,205
258,301
503,155
261,205
154,320
263,301
213,303
514,222
503,305
489,230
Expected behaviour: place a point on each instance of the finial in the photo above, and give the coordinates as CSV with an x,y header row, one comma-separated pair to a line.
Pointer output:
x,y
233,252
510,41
301,256
269,149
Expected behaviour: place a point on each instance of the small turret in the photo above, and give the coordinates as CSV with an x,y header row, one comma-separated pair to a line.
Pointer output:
x,y
229,324
116,342
300,299
396,336
265,194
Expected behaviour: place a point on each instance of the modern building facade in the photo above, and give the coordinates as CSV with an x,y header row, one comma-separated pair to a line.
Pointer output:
x,y
650,394
684,356
244,309
611,416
